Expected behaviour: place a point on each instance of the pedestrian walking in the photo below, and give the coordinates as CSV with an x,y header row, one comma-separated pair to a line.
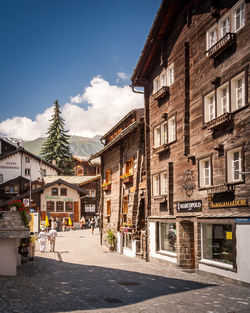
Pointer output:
x,y
42,239
82,223
92,225
52,239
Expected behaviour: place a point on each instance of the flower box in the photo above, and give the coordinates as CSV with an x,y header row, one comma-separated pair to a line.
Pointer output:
x,y
127,178
106,186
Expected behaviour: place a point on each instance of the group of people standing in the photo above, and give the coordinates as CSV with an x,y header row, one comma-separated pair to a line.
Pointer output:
x,y
51,236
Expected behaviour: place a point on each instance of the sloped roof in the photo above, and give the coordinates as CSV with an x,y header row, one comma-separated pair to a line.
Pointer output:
x,y
90,180
76,180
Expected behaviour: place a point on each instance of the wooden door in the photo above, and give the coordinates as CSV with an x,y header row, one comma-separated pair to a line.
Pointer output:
x,y
76,212
43,215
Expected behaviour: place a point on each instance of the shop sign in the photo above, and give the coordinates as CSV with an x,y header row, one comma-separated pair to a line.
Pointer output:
x,y
26,202
242,220
227,204
52,197
189,206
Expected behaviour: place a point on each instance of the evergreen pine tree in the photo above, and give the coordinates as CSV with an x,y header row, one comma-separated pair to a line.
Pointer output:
x,y
57,146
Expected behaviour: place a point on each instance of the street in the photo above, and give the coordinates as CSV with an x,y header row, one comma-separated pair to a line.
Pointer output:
x,y
82,276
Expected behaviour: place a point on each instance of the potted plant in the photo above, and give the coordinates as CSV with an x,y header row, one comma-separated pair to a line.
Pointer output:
x,y
111,239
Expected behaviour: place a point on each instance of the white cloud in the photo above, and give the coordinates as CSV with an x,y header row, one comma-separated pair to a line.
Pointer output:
x,y
104,106
123,76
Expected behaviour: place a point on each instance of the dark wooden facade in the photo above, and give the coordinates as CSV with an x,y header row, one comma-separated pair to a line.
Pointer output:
x,y
199,174
123,181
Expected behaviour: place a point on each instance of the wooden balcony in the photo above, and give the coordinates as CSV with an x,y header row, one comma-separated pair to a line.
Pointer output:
x,y
106,186
127,178
220,120
163,148
221,45
161,93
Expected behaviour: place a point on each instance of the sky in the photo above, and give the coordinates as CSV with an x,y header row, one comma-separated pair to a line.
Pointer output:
x,y
80,52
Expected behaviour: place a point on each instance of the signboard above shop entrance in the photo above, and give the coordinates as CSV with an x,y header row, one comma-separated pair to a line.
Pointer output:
x,y
189,206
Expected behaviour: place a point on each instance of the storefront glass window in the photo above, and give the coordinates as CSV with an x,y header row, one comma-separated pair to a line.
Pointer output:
x,y
167,237
218,243
127,240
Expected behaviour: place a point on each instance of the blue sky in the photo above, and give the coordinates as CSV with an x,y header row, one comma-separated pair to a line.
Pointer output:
x,y
59,49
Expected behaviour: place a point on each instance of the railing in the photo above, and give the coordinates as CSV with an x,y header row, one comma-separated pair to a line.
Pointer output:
x,y
222,119
222,44
162,148
161,93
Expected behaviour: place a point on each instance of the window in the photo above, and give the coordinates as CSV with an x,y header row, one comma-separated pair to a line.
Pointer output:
x,y
164,133
217,243
170,73
108,176
63,191
129,166
238,16
92,193
109,208
1,178
127,240
50,205
224,27
223,100
212,37
27,159
167,237
43,172
69,206
157,136
166,78
232,21
238,91
27,172
125,205
11,189
205,172
156,185
222,103
59,206
171,129
54,191
234,165
164,183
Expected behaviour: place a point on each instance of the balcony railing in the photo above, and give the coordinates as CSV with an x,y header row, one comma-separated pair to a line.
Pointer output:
x,y
221,45
162,148
222,119
161,93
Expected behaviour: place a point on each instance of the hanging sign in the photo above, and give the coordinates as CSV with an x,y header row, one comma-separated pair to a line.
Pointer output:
x,y
189,206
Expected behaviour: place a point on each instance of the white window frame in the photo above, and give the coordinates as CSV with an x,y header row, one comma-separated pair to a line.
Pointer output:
x,y
213,29
164,133
223,100
209,107
27,171
227,27
156,185
164,183
157,136
156,84
170,74
27,159
172,129
205,172
239,5
235,100
232,165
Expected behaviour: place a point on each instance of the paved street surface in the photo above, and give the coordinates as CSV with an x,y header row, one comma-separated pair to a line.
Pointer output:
x,y
83,276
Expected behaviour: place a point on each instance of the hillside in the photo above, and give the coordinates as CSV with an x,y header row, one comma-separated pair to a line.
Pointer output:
x,y
79,145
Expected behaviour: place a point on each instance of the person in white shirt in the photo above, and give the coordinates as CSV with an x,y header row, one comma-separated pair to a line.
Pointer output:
x,y
42,239
52,239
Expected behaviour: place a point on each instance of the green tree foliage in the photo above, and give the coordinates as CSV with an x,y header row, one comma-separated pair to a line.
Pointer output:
x,y
57,146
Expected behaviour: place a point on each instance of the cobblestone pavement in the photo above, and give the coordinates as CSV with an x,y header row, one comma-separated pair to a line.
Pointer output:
x,y
83,276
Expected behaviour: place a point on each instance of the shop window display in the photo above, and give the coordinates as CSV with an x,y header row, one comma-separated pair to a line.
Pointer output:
x,y
167,237
218,243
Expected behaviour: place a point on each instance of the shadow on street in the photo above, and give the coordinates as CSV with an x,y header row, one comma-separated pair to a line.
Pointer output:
x,y
46,285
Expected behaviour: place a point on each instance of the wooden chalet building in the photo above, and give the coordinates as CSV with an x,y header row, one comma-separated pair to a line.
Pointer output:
x,y
83,168
123,189
90,202
195,72
18,168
